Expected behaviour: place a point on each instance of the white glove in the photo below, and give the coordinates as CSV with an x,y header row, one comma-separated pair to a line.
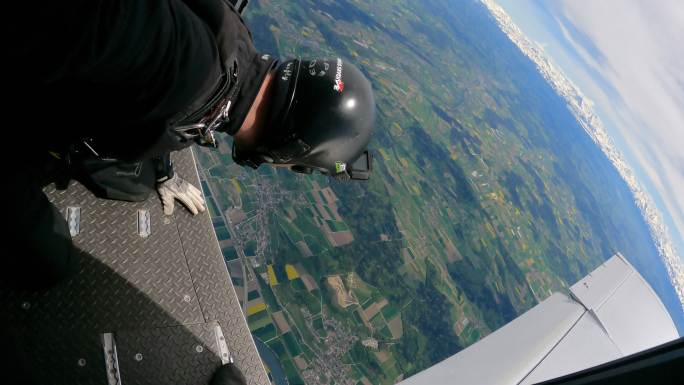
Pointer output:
x,y
179,188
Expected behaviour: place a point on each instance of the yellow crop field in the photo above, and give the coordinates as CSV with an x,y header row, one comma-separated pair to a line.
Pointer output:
x,y
272,280
256,308
236,184
384,154
291,272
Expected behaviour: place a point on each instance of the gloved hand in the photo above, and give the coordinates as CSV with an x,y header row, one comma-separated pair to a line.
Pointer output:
x,y
178,188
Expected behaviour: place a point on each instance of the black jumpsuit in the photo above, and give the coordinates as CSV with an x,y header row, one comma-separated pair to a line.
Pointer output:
x,y
117,75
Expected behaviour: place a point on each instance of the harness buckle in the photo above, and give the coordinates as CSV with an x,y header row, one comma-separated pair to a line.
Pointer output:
x,y
203,132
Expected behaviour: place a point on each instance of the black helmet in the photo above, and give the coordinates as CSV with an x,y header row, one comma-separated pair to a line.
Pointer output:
x,y
322,113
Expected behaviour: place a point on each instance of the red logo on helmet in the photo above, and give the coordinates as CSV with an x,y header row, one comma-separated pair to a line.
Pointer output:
x,y
339,84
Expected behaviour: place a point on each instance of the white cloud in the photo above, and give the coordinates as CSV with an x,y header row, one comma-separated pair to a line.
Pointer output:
x,y
642,58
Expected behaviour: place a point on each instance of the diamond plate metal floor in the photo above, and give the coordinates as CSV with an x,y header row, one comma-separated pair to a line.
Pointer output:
x,y
160,295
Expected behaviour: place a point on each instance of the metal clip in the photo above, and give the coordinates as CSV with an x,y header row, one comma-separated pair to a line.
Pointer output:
x,y
190,132
220,119
203,133
74,220
226,356
144,224
111,359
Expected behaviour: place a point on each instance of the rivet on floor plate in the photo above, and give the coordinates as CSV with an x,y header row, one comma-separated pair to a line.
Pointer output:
x,y
81,362
25,305
199,348
138,357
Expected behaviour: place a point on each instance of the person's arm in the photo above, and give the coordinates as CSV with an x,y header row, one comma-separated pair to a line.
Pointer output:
x,y
115,70
155,48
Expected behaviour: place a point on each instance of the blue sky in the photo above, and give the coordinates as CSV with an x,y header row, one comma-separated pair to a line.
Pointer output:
x,y
627,56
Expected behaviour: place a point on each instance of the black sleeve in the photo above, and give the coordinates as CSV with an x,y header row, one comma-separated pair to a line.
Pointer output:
x,y
163,167
102,66
211,11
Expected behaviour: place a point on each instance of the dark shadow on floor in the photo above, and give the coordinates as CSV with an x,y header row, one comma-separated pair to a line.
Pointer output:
x,y
55,336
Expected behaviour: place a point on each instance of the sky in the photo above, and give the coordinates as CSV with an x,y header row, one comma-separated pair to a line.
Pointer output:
x,y
627,56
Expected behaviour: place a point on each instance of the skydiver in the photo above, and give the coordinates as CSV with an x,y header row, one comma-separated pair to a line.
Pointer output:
x,y
99,86
126,82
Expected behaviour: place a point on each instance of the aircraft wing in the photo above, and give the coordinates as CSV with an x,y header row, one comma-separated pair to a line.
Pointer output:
x,y
152,303
609,314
